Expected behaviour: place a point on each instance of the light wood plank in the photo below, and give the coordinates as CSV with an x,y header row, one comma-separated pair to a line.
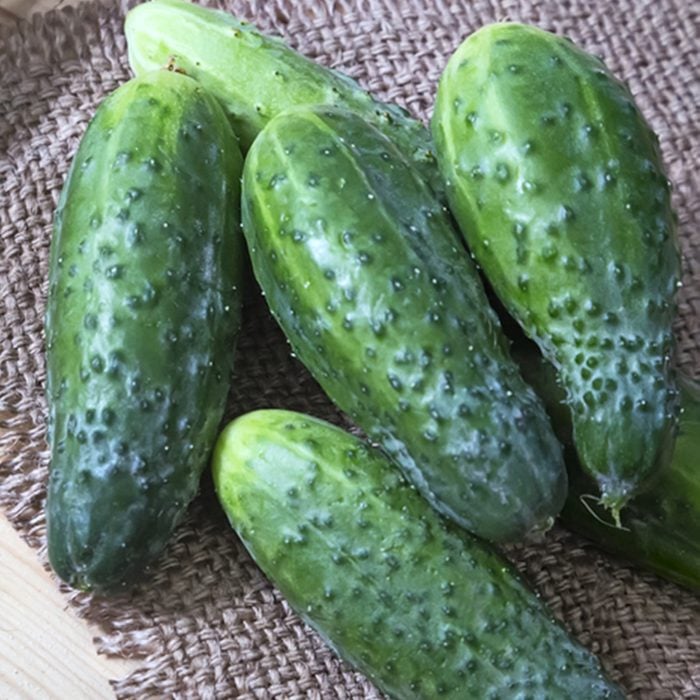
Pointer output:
x,y
46,651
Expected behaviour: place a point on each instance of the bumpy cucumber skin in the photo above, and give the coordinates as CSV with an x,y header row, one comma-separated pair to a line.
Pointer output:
x,y
660,526
557,184
141,323
366,276
422,608
256,76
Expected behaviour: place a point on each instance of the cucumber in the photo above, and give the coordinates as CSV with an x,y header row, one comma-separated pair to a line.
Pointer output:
x,y
142,315
660,526
558,186
422,608
256,76
363,271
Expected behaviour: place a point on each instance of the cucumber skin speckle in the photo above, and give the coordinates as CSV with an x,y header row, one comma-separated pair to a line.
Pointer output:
x,y
362,269
421,607
557,183
661,530
141,321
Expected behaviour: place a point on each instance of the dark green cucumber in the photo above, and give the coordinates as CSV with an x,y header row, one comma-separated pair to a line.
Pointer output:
x,y
256,76
142,315
557,183
422,608
366,276
661,525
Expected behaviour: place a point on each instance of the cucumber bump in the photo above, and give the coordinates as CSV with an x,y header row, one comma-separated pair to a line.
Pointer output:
x,y
557,183
142,315
366,276
421,607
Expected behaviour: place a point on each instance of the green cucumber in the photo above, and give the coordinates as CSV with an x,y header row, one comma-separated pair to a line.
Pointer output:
x,y
362,269
142,315
557,183
421,607
257,77
661,525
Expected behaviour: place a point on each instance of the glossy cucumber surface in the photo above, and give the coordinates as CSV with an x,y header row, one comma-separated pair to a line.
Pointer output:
x,y
366,276
422,608
557,183
661,525
142,315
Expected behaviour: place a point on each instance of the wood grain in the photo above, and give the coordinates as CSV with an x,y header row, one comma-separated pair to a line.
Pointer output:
x,y
46,652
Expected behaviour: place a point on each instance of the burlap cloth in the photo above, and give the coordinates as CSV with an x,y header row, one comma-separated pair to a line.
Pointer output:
x,y
206,623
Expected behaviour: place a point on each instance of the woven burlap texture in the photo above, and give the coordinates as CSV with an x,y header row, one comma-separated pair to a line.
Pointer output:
x,y
206,623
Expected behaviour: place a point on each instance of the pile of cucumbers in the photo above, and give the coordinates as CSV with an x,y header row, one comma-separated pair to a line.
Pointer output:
x,y
371,239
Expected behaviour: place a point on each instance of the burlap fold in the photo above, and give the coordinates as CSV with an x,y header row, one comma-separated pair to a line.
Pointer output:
x,y
206,623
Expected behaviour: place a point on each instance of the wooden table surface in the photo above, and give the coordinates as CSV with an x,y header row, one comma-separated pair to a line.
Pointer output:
x,y
46,651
